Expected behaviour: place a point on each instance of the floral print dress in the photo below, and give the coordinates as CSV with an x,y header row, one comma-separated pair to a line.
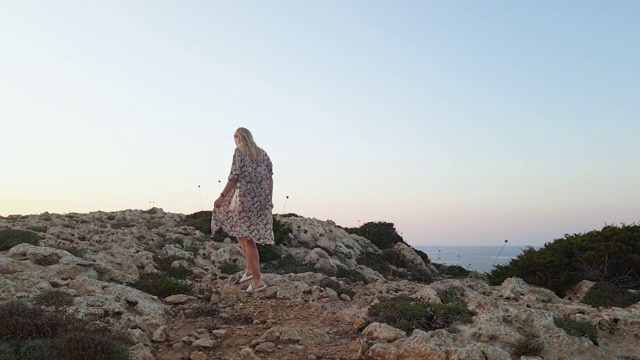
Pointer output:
x,y
246,211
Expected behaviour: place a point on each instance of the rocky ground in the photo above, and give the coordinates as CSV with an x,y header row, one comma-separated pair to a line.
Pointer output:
x,y
97,257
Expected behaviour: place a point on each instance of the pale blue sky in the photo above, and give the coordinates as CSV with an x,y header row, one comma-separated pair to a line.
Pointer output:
x,y
465,122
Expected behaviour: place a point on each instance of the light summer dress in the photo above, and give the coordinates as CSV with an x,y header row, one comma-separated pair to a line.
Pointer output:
x,y
246,212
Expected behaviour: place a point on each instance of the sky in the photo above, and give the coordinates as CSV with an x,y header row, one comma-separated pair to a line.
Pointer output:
x,y
461,122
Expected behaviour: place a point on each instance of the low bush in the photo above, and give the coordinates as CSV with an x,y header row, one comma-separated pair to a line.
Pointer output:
x,y
527,346
200,220
455,271
382,234
161,285
289,215
229,268
577,328
408,314
164,265
21,321
611,254
281,232
39,349
451,294
351,275
7,351
30,333
608,295
12,237
54,298
423,256
82,346
269,252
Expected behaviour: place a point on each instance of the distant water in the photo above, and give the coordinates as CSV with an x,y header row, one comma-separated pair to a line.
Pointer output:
x,y
477,258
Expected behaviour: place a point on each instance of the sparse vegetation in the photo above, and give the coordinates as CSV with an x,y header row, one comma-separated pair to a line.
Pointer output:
x,y
12,237
608,295
408,314
54,298
577,328
528,346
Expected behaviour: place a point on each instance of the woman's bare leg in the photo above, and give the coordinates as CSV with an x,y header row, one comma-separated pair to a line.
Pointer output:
x,y
243,245
253,261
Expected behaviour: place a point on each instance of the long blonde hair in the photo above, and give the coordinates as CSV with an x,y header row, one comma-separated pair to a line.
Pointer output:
x,y
248,146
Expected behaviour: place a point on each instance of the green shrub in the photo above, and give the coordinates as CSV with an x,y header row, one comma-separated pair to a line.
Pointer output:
x,y
423,256
455,271
608,295
161,285
268,252
54,298
528,346
29,332
200,220
611,254
40,349
229,268
7,352
281,232
21,321
451,294
577,328
164,265
111,217
408,314
381,234
77,346
351,275
289,215
11,237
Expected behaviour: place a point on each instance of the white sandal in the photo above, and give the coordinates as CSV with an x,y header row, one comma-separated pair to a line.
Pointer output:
x,y
245,277
251,290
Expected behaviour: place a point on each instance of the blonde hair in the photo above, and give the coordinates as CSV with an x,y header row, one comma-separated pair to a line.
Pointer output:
x,y
248,146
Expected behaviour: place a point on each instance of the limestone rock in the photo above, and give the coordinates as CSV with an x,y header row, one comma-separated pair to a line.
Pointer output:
x,y
377,332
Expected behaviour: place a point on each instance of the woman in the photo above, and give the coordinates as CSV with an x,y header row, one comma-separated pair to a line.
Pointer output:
x,y
244,207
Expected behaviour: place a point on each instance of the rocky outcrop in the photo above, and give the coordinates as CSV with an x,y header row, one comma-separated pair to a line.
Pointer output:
x,y
97,256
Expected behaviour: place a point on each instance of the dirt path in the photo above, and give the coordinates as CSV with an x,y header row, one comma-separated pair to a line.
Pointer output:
x,y
246,317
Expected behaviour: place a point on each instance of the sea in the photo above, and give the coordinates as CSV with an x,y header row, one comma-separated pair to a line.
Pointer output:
x,y
476,258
